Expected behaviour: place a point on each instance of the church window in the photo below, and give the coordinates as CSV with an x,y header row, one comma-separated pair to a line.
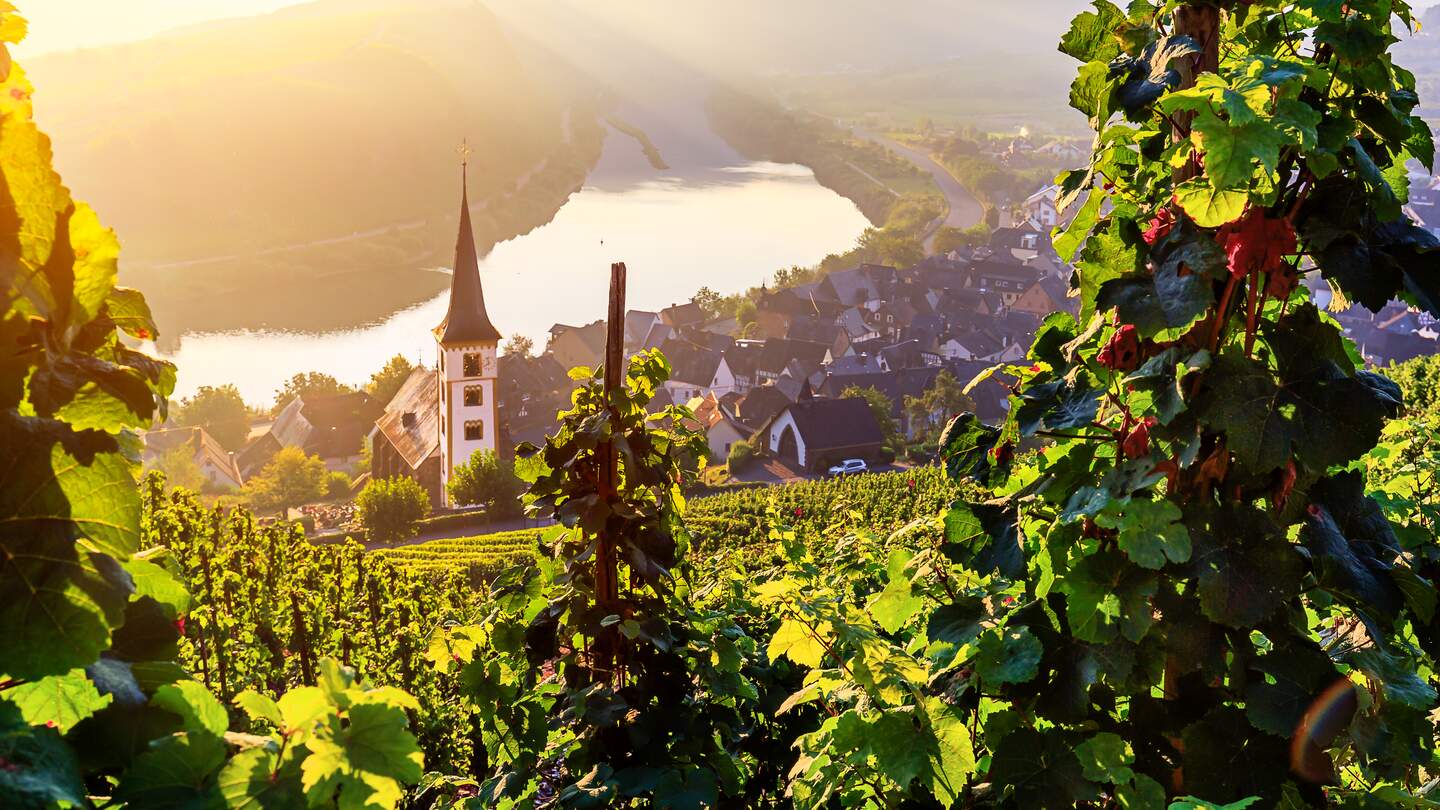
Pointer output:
x,y
474,395
474,431
472,364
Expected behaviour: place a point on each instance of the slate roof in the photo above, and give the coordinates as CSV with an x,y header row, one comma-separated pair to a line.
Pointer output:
x,y
466,320
894,384
691,363
686,314
761,403
416,437
852,286
826,424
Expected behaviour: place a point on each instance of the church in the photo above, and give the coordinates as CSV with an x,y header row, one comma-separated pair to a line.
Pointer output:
x,y
442,416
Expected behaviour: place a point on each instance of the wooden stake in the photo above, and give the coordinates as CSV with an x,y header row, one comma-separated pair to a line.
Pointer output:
x,y
607,588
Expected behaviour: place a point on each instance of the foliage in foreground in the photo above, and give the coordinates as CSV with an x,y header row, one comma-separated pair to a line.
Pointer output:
x,y
94,707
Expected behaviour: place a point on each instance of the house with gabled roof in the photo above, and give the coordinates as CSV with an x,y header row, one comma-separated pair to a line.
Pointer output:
x,y
817,433
406,438
215,463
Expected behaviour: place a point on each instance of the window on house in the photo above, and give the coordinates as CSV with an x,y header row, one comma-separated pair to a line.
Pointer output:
x,y
472,364
474,431
474,395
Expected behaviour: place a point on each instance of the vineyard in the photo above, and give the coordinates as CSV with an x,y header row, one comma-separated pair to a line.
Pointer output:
x,y
1194,568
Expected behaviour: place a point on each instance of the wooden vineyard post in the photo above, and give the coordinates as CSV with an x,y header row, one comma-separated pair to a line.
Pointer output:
x,y
607,588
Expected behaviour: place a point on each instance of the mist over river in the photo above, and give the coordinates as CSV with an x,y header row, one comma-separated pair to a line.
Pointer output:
x,y
712,219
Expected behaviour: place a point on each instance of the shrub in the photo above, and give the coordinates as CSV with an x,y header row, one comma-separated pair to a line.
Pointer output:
x,y
337,485
290,479
486,480
742,453
388,508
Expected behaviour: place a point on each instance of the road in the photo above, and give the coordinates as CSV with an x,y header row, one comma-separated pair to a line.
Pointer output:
x,y
965,210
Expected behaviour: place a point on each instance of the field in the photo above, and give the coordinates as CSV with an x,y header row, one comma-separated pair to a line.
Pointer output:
x,y
738,521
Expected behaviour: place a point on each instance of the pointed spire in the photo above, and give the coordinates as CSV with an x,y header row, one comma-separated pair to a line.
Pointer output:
x,y
466,321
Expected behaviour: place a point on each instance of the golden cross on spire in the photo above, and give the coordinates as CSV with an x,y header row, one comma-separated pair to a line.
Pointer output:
x,y
465,152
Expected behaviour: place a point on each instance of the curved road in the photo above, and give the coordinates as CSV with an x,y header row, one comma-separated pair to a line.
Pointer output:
x,y
965,210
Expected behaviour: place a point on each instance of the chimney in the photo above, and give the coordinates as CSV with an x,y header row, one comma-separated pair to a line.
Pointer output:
x,y
407,419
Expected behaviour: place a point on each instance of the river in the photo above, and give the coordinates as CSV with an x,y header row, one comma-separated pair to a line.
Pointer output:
x,y
717,220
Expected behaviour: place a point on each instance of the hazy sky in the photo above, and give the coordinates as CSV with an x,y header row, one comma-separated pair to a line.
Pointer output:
x,y
57,25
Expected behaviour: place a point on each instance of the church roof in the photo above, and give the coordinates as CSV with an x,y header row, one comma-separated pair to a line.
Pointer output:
x,y
466,321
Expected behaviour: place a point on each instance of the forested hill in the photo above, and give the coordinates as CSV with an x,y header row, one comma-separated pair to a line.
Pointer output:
x,y
307,124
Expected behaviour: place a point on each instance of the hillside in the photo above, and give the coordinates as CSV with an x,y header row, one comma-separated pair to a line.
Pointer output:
x,y
318,141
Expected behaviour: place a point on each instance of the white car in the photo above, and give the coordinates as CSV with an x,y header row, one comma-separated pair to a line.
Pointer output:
x,y
850,466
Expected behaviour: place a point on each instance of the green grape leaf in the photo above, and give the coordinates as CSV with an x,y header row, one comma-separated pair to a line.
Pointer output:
x,y
1090,37
694,789
1009,655
367,761
1040,769
1396,675
965,446
40,768
302,707
1232,150
1151,74
1110,252
199,711
81,488
894,605
260,707
1246,568
58,604
795,641
956,623
1106,758
255,779
1142,794
1226,762
131,314
1162,306
59,701
1208,206
984,538
177,772
952,761
1150,531
1296,675
159,584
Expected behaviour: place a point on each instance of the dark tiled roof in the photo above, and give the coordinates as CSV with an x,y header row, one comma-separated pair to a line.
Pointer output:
x,y
690,363
760,404
894,384
834,423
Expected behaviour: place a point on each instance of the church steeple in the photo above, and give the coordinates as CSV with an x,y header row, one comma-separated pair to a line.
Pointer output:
x,y
466,321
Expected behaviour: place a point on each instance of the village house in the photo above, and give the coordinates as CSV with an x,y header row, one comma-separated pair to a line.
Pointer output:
x,y
573,346
814,434
406,438
214,462
722,428
331,426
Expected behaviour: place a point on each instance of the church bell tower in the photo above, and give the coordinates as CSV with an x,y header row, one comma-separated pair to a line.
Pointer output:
x,y
467,345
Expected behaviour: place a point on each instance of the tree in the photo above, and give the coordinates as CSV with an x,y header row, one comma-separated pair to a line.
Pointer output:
x,y
486,480
389,508
712,302
221,411
291,478
881,406
314,383
386,382
519,346
337,485
179,467
944,399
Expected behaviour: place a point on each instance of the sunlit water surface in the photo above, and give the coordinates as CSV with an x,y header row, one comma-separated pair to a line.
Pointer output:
x,y
726,227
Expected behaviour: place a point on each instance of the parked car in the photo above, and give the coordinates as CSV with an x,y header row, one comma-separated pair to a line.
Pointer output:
x,y
850,466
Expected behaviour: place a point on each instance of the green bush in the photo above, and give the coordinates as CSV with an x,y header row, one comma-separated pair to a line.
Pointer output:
x,y
389,508
337,485
486,480
742,453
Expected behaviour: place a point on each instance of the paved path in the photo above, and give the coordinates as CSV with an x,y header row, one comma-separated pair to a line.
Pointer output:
x,y
965,210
